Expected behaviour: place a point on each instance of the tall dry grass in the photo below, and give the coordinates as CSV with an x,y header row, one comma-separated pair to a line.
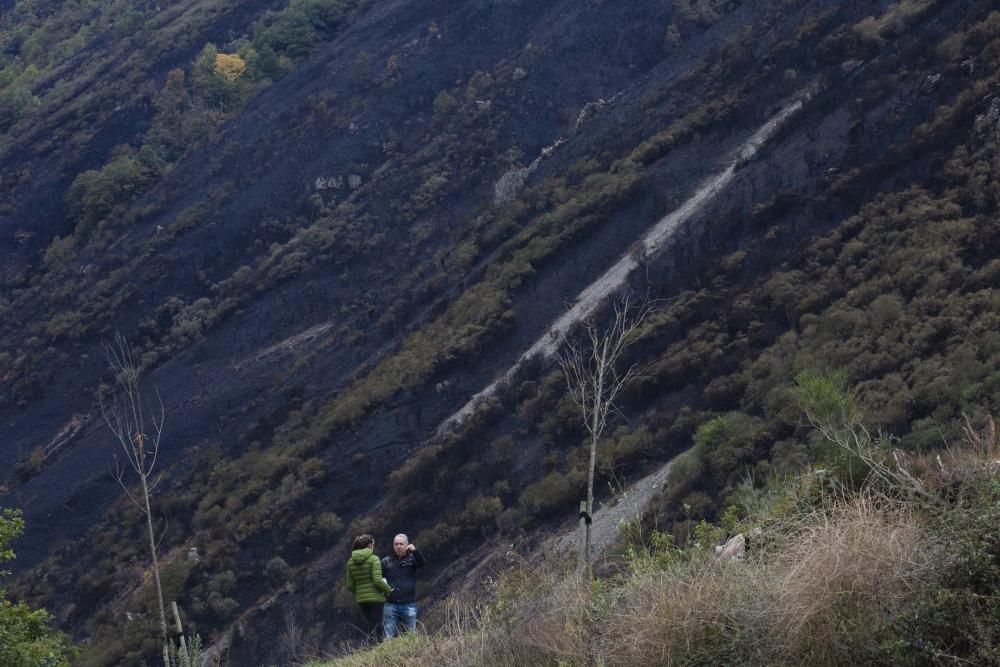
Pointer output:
x,y
840,580
551,624
669,618
821,594
977,457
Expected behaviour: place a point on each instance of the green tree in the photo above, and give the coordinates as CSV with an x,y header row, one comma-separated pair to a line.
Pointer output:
x,y
15,103
444,104
95,194
292,34
25,637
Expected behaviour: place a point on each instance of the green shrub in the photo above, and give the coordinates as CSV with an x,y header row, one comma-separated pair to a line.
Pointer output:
x,y
94,194
556,492
444,104
16,102
277,571
25,637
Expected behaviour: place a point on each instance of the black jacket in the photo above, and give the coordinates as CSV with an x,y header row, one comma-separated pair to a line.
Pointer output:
x,y
401,573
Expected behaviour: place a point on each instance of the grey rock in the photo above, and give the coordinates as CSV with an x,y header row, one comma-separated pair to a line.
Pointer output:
x,y
591,109
930,84
735,549
849,66
331,183
990,120
510,184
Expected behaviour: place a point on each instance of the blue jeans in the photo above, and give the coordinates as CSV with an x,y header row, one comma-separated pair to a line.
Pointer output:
x,y
398,618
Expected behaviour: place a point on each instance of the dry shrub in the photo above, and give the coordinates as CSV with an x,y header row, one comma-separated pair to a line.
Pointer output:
x,y
541,615
405,651
822,595
538,615
701,612
976,457
841,578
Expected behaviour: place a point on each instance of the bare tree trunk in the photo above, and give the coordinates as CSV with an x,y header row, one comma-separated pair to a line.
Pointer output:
x,y
155,559
127,415
594,383
590,497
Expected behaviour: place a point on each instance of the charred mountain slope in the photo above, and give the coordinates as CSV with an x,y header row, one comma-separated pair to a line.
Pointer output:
x,y
355,244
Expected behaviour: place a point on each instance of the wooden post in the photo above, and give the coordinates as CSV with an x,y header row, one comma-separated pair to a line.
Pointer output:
x,y
581,563
180,631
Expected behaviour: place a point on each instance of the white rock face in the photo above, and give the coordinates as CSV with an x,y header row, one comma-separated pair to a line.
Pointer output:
x,y
330,183
930,83
591,109
735,549
989,120
511,183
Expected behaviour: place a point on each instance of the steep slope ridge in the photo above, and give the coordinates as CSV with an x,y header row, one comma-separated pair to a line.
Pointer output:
x,y
241,273
149,273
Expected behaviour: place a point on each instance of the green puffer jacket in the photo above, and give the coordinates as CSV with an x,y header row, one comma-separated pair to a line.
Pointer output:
x,y
364,577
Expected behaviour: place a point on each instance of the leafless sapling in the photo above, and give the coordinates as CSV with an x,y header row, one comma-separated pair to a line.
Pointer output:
x,y
591,367
137,426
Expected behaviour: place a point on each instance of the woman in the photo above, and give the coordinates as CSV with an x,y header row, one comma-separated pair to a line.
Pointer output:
x,y
364,580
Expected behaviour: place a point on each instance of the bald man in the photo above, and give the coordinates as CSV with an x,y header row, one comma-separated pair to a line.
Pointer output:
x,y
400,571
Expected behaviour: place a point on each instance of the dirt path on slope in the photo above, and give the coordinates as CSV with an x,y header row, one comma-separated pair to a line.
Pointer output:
x,y
467,573
607,517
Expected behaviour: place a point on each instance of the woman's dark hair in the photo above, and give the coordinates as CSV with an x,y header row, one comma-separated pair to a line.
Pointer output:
x,y
363,541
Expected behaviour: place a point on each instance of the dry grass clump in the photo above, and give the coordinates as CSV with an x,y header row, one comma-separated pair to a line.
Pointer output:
x,y
405,651
541,615
820,596
977,457
672,617
838,581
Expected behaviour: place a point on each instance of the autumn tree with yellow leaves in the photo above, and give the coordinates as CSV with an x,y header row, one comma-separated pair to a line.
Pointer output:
x,y
230,66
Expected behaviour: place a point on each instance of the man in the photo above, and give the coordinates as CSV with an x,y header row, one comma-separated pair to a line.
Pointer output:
x,y
400,571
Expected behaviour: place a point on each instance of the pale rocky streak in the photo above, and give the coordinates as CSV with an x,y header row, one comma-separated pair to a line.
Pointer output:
x,y
653,243
627,506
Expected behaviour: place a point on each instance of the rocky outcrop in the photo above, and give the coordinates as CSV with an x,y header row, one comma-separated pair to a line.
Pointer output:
x,y
512,182
592,109
989,120
735,549
335,182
